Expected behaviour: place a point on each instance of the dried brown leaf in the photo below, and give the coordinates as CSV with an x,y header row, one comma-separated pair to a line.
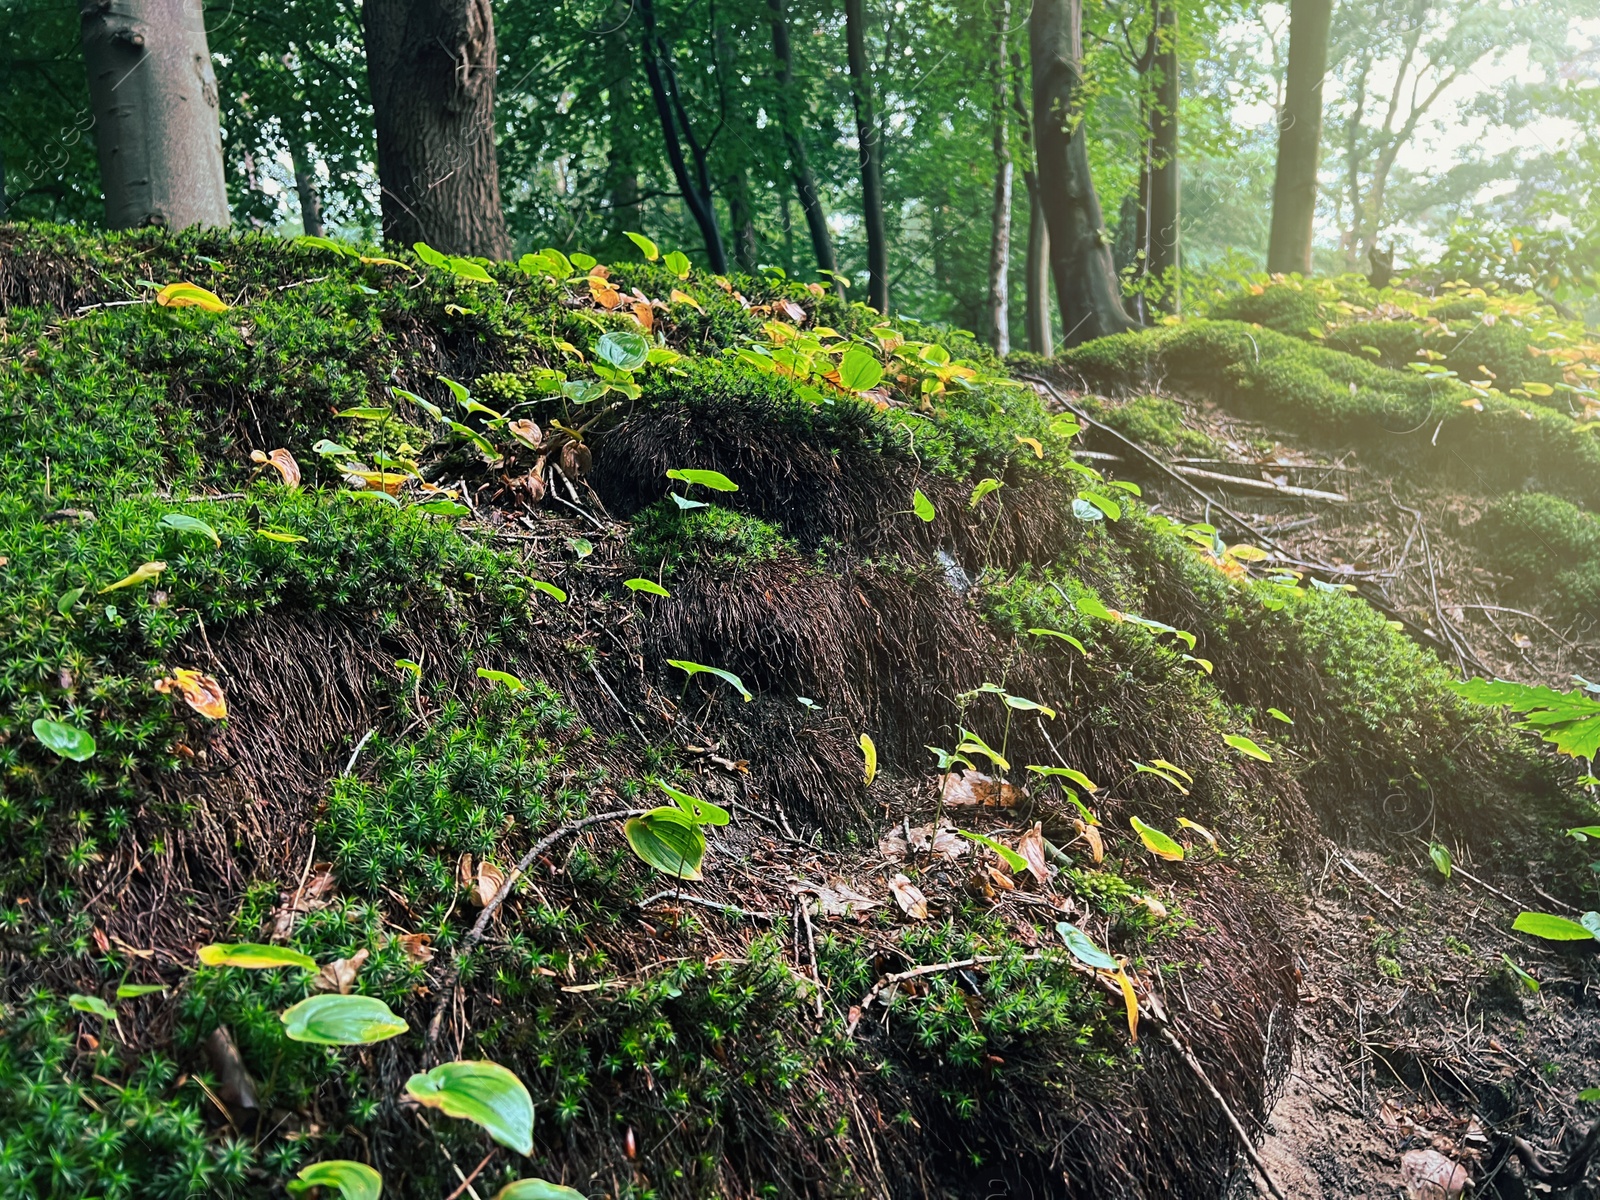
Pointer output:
x,y
490,879
340,975
526,432
201,692
1031,847
1091,835
912,902
286,466
417,946
973,789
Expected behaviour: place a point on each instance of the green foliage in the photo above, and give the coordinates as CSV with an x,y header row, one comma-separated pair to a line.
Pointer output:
x,y
1550,546
665,537
1570,721
1155,421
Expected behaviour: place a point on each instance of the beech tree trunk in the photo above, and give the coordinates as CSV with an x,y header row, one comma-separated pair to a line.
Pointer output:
x,y
1036,281
1294,187
1000,235
871,153
805,184
1080,256
431,67
1162,219
622,169
305,185
154,96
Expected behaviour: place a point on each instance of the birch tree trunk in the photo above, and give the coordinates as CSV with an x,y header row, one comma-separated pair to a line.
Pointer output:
x,y
1000,237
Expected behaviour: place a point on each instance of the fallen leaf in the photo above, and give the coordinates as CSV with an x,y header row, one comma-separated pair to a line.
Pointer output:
x,y
314,894
286,467
1429,1175
643,315
973,789
1091,835
836,898
340,975
1031,847
912,902
417,946
1155,907
490,879
201,692
464,873
1130,1001
604,294
790,311
575,459
141,574
526,432
1001,879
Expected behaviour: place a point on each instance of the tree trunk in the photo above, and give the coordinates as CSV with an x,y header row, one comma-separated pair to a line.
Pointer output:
x,y
742,218
1294,187
622,169
1080,258
1352,165
431,67
305,184
154,96
805,184
676,130
1000,237
1163,212
871,153
1036,282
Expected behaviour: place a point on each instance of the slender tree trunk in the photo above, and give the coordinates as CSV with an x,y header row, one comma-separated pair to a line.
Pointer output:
x,y
742,218
5,208
1036,271
1352,166
676,130
622,168
1080,258
871,153
1163,262
805,184
431,66
1000,236
305,185
154,96
1294,188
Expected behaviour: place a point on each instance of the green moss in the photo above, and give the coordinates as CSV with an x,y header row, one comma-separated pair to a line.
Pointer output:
x,y
1549,546
1156,421
664,537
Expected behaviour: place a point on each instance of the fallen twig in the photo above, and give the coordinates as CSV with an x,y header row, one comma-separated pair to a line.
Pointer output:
x,y
466,1183
733,909
1363,876
1260,485
929,969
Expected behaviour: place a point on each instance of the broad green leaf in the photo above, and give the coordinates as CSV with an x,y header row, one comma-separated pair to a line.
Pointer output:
x,y
428,254
1085,511
985,486
254,956
647,248
311,241
506,677
623,350
678,263
1023,704
1211,838
670,840
645,585
582,547
694,668
1551,927
702,812
68,600
66,740
427,406
684,502
581,260
1277,714
1584,832
1105,504
443,508
859,370
484,445
1441,857
187,524
414,669
922,506
352,1180
483,1092
1089,606
1084,949
1007,855
549,589
132,991
465,268
1077,777
1156,842
870,751
1529,982
330,449
1065,637
1570,721
583,391
537,1189
1246,747
364,414
92,1005
330,1019
1162,773
971,743
277,535
715,480
141,574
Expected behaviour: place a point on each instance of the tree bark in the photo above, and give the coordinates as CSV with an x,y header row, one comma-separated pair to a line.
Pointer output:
x,y
1294,187
154,96
622,170
871,153
1000,235
1162,220
742,218
305,185
1036,274
676,130
1080,258
805,184
431,67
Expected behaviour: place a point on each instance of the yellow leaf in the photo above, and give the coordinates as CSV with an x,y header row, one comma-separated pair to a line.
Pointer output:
x,y
190,295
201,692
1091,835
142,574
382,262
1210,837
682,297
1031,443
1130,998
871,753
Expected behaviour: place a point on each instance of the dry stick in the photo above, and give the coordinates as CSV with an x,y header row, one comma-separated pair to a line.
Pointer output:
x,y
672,894
1248,484
350,766
475,934
1362,875
1458,869
1520,613
467,1182
1239,1131
811,947
930,969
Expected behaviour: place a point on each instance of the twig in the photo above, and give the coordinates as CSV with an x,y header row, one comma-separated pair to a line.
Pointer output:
x,y
930,969
475,934
788,837
734,909
1193,1063
467,1182
1519,613
350,766
1362,875
1260,485
811,948
602,680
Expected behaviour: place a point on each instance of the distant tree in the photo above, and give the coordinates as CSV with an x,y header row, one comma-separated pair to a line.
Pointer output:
x,y
155,112
431,67
999,332
1160,220
869,142
799,165
1294,188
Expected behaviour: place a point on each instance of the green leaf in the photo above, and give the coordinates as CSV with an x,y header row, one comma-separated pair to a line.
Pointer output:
x,y
1084,949
330,1019
1085,511
1278,714
427,406
414,669
715,480
1551,927
364,414
581,260
253,956
859,370
1023,704
922,506
312,242
623,350
646,586
141,574
1065,637
582,547
132,991
647,248
187,524
1584,832
1077,777
1009,856
483,1092
1105,504
66,740
1163,773
329,449
1246,747
1441,857
1570,721
678,263
669,840
537,1189
465,268
549,589
428,254
92,1005
1528,981
484,445
276,535
443,508
985,486
512,683
971,743
702,812
1156,842
683,502
694,668
1588,1095
68,600
353,1180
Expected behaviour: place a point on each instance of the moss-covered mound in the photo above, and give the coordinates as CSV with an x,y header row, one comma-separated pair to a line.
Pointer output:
x,y
483,558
